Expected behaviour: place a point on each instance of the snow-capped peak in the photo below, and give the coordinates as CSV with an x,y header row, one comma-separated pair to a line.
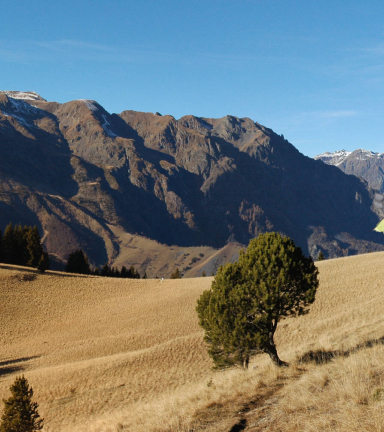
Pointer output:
x,y
338,153
340,156
336,158
33,96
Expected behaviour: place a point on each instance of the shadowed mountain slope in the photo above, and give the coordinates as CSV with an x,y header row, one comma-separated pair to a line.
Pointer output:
x,y
87,178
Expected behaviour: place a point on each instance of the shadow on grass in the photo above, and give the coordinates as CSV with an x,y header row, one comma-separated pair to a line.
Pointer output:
x,y
8,367
239,426
9,370
325,356
19,360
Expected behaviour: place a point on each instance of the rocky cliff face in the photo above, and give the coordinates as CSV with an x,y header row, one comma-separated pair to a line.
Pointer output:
x,y
361,163
80,173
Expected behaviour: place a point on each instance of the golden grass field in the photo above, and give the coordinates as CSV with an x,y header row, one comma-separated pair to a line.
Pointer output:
x,y
106,354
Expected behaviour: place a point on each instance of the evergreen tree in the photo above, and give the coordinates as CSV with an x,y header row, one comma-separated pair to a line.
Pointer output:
x,y
136,274
106,270
145,275
321,256
203,274
96,272
133,273
176,274
78,263
44,263
20,413
115,272
124,272
271,280
21,244
34,247
9,245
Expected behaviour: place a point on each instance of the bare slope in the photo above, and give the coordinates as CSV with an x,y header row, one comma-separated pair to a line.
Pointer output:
x,y
106,355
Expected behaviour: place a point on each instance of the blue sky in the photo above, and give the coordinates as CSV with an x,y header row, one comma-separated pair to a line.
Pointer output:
x,y
313,71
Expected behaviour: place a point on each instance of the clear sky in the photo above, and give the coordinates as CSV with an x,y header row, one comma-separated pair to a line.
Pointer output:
x,y
311,70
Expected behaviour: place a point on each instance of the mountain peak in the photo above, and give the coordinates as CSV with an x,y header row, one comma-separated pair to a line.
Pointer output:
x,y
29,95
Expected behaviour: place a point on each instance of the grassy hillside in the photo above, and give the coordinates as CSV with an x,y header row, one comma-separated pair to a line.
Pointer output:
x,y
110,355
159,260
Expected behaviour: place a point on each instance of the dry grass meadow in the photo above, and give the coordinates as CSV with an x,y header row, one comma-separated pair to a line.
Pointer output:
x,y
128,355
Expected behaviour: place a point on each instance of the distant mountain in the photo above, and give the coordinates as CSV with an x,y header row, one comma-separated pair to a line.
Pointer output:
x,y
361,163
102,182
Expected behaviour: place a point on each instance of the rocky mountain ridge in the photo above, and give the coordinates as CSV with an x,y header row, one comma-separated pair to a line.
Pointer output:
x,y
88,178
362,163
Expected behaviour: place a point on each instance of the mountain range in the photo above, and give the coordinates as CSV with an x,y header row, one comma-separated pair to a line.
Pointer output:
x,y
148,190
361,163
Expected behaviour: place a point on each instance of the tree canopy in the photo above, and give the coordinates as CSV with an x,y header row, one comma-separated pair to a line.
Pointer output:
x,y
271,280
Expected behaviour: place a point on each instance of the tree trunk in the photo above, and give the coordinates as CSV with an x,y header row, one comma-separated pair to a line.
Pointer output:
x,y
270,349
246,362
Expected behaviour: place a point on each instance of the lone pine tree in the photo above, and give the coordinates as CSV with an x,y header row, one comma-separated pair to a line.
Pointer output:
x,y
20,413
271,280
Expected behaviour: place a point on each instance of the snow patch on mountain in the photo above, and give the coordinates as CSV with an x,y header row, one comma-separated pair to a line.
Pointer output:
x,y
90,104
336,158
106,126
205,124
21,111
33,96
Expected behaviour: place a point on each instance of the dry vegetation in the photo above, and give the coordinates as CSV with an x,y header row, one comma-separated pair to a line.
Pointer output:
x,y
113,355
160,260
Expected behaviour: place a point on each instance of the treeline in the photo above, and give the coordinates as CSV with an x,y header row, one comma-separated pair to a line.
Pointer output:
x,y
78,263
22,246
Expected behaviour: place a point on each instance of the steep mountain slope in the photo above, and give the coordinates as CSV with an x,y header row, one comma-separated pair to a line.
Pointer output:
x,y
361,163
86,177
